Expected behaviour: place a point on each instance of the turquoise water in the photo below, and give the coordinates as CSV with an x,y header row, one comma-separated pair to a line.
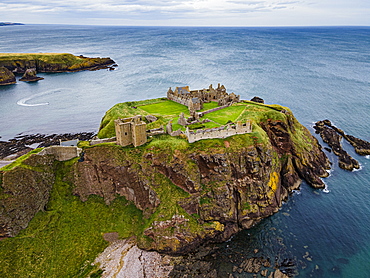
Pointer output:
x,y
318,72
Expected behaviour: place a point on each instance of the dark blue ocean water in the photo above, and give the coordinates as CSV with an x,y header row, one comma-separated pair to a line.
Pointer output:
x,y
318,72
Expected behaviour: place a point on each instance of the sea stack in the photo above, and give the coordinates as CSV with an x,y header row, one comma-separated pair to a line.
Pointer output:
x,y
30,76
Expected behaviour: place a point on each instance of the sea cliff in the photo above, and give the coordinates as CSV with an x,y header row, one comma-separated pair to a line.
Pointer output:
x,y
208,190
187,193
171,195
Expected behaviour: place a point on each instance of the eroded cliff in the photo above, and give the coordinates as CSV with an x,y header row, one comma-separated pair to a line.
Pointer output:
x,y
208,190
188,194
24,190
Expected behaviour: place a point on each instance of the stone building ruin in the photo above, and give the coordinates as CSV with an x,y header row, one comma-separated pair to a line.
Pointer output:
x,y
131,131
219,132
194,99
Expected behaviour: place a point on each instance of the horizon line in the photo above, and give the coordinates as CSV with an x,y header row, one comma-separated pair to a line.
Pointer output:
x,y
196,26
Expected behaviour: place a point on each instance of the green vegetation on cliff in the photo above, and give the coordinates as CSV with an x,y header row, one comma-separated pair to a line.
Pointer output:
x,y
50,62
64,239
170,194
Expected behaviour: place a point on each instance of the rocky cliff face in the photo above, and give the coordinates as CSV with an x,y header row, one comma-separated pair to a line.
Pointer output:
x,y
6,76
189,194
23,192
192,194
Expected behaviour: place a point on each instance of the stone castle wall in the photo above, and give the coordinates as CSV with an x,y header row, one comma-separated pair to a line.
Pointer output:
x,y
220,132
62,153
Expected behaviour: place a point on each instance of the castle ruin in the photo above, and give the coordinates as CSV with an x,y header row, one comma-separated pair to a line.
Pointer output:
x,y
194,99
131,131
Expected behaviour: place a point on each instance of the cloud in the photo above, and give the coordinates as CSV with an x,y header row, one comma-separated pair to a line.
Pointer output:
x,y
187,12
138,6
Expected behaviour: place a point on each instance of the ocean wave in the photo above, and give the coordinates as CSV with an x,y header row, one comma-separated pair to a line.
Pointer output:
x,y
23,101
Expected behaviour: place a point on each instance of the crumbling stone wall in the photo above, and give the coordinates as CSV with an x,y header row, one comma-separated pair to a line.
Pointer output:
x,y
220,132
62,153
194,99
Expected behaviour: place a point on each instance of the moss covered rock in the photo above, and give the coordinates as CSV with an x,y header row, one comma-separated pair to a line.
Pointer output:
x,y
6,76
24,191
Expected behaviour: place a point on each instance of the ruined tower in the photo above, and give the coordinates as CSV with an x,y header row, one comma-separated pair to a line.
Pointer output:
x,y
130,131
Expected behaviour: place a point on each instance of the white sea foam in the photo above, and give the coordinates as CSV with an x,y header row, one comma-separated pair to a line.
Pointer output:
x,y
330,171
359,169
367,156
23,101
326,190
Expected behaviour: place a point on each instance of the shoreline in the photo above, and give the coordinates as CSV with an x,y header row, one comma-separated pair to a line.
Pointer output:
x,y
22,144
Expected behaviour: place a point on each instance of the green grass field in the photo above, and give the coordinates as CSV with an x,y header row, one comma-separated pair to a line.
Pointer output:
x,y
167,110
167,107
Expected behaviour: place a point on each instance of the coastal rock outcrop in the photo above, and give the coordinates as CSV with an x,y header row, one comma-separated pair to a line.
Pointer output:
x,y
30,76
332,135
6,76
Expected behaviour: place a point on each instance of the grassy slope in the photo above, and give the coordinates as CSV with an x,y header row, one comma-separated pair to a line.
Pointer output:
x,y
63,240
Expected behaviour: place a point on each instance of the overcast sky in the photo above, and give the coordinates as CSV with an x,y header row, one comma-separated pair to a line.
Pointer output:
x,y
188,12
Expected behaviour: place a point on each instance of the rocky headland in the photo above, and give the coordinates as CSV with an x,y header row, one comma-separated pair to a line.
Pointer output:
x,y
30,64
168,195
196,193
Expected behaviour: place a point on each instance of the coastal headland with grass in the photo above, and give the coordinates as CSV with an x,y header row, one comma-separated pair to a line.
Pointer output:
x,y
12,64
166,194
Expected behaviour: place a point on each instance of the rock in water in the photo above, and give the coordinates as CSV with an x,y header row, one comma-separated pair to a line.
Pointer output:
x,y
30,76
6,77
332,135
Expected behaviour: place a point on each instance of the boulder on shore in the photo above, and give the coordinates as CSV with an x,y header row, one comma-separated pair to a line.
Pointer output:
x,y
6,76
30,76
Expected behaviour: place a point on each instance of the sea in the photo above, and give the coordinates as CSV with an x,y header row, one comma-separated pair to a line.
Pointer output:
x,y
318,72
